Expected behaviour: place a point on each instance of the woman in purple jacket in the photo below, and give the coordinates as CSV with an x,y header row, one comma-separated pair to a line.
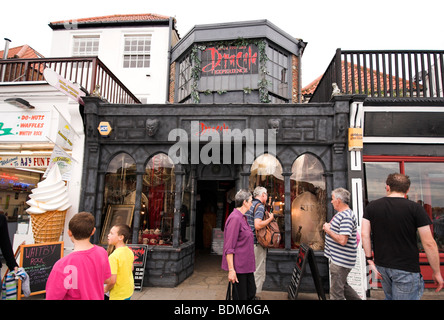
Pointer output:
x,y
238,253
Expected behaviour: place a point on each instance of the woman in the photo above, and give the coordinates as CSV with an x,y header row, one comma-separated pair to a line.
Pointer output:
x,y
238,253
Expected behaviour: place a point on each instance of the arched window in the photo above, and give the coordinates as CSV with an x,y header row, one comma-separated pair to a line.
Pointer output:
x,y
266,171
156,220
119,194
308,202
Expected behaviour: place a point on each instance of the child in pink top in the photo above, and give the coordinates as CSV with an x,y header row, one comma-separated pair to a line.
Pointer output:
x,y
80,275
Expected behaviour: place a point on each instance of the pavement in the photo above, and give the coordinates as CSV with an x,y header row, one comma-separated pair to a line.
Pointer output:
x,y
209,282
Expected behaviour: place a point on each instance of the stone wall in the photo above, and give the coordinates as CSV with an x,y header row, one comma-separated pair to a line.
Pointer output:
x,y
168,266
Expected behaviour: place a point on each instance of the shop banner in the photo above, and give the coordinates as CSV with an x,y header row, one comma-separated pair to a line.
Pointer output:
x,y
24,126
24,161
66,134
65,162
63,85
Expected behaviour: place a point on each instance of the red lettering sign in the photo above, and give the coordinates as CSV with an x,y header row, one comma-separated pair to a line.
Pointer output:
x,y
229,60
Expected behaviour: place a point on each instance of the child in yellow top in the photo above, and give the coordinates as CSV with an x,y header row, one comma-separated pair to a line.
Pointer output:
x,y
121,260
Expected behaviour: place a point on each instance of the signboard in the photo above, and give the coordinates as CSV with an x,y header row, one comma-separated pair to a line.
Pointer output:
x,y
140,253
355,141
24,126
104,128
305,255
24,161
57,81
38,260
60,158
230,60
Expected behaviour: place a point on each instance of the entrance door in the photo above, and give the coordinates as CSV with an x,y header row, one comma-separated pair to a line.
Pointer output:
x,y
212,208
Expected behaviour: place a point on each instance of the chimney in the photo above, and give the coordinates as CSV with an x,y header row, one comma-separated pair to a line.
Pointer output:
x,y
5,53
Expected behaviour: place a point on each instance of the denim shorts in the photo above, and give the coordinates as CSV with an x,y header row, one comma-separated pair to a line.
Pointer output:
x,y
401,285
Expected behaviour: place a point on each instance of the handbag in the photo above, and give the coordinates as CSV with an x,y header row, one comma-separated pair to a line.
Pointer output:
x,y
232,292
270,235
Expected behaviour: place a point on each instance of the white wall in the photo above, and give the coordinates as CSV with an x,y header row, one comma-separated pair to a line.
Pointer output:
x,y
44,97
153,87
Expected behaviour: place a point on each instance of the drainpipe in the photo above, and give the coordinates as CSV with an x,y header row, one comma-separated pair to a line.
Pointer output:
x,y
5,57
301,46
170,31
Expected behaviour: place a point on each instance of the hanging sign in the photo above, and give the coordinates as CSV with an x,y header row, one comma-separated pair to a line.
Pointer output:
x,y
355,141
57,81
65,162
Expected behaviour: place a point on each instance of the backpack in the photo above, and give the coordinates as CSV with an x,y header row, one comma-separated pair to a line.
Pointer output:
x,y
269,236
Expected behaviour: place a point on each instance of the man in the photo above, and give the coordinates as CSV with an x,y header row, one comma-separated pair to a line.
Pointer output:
x,y
393,222
341,246
254,218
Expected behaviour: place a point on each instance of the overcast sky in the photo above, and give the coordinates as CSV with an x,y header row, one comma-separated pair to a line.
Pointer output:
x,y
325,24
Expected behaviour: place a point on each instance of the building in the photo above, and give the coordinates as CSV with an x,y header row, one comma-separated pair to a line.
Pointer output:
x,y
159,170
401,117
136,47
36,115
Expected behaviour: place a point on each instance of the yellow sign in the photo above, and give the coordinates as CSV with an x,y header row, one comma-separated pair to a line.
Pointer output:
x,y
355,141
104,128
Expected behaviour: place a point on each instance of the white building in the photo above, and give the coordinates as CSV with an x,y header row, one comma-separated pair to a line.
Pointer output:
x,y
134,47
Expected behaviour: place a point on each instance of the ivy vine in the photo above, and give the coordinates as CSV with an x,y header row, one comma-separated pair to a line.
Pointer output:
x,y
263,83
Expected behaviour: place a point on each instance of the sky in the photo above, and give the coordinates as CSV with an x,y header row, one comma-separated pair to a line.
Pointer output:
x,y
324,24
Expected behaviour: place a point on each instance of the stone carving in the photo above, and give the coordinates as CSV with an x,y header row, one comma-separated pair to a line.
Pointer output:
x,y
274,124
152,125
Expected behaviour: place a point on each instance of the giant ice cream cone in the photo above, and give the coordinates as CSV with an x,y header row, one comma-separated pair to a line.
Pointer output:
x,y
48,205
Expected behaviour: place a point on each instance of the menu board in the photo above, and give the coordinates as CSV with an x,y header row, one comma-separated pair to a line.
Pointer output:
x,y
38,260
305,255
140,252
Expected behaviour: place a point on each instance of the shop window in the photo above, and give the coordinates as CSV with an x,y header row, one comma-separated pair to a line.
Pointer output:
x,y
15,187
308,202
120,193
266,171
427,185
157,214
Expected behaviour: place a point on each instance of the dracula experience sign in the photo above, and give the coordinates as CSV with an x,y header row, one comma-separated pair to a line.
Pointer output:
x,y
230,60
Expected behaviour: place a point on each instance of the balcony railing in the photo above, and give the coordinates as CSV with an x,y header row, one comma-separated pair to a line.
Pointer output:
x,y
89,72
384,74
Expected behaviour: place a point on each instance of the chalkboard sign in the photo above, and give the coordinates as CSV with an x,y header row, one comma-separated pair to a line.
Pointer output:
x,y
38,260
305,254
140,253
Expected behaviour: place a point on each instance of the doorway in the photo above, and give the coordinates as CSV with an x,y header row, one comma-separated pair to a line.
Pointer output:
x,y
213,205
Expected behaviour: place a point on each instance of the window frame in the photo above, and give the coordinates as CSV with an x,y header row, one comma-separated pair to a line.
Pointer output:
x,y
137,55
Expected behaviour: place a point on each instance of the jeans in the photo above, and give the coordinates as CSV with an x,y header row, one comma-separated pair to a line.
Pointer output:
x,y
339,288
401,285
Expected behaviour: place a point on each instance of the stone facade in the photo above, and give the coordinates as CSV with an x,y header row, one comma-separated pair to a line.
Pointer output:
x,y
317,129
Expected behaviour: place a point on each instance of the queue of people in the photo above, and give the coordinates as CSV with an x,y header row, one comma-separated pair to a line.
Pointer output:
x,y
389,230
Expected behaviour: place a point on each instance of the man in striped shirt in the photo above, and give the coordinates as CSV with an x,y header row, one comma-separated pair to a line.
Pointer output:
x,y
341,246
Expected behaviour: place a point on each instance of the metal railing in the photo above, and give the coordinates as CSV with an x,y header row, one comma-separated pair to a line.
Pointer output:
x,y
89,72
384,74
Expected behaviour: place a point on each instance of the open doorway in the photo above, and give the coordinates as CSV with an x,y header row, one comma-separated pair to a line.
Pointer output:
x,y
214,202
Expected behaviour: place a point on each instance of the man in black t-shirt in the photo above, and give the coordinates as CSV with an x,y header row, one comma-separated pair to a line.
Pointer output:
x,y
392,223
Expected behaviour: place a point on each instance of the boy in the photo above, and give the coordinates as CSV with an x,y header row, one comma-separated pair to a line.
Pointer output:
x,y
81,274
121,260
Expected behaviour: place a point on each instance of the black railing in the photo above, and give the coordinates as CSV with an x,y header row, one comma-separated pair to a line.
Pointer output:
x,y
384,74
88,72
